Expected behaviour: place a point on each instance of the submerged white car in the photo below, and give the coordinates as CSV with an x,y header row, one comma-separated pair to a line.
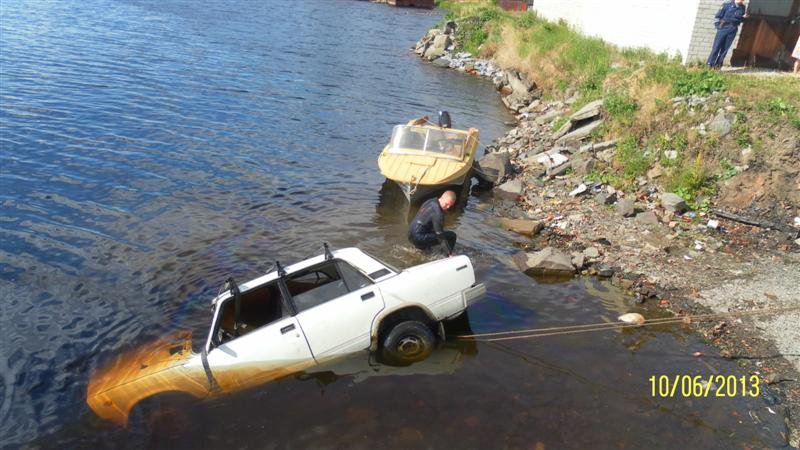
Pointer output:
x,y
293,318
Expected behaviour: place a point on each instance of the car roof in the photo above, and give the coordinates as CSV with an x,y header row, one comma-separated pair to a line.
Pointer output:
x,y
350,254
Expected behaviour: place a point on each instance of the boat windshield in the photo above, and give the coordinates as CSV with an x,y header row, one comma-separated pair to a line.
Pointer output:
x,y
436,142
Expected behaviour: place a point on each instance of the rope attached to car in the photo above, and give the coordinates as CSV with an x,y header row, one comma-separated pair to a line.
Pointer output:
x,y
576,329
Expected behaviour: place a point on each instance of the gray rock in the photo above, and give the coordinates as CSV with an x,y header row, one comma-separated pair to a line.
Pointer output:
x,y
722,123
604,270
647,218
509,190
494,166
589,111
558,170
604,198
548,117
673,202
591,252
522,226
545,262
441,62
563,130
581,133
450,27
578,260
627,207
438,47
607,155
583,166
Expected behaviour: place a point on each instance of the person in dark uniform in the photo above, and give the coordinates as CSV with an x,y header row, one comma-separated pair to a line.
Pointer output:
x,y
427,228
729,17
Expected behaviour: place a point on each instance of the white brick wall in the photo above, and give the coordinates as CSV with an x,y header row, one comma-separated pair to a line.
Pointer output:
x,y
684,27
661,25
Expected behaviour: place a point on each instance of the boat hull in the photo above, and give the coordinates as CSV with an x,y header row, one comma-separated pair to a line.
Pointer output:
x,y
416,193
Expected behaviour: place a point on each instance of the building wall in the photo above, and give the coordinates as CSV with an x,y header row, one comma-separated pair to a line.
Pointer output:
x,y
661,25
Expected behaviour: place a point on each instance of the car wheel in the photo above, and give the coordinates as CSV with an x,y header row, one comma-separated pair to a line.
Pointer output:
x,y
407,342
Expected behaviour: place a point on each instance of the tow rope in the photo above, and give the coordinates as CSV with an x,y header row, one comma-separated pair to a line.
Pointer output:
x,y
576,329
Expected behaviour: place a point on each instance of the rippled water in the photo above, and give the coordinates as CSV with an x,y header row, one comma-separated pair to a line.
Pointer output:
x,y
151,149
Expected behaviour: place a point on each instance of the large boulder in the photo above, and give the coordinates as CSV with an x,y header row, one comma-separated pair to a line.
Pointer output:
x,y
438,47
494,166
522,226
590,111
673,202
509,190
522,91
581,133
548,261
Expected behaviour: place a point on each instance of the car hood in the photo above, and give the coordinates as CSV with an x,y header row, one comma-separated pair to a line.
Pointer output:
x,y
152,368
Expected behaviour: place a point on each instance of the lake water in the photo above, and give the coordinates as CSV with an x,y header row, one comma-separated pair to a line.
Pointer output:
x,y
151,149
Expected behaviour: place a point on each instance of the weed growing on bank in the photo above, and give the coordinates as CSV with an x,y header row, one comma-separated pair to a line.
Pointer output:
x,y
637,87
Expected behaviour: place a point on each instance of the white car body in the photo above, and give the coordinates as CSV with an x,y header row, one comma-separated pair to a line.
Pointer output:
x,y
306,329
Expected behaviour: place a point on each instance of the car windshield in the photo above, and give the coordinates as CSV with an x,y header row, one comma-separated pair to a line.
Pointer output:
x,y
438,142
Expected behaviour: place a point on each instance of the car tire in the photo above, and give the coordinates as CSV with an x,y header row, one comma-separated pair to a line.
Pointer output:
x,y
406,343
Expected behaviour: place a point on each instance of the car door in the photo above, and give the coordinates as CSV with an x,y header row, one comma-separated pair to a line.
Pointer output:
x,y
341,322
264,354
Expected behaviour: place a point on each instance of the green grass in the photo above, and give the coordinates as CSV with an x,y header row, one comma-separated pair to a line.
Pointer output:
x,y
635,161
637,86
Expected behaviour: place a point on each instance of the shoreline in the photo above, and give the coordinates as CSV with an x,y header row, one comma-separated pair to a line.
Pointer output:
x,y
648,242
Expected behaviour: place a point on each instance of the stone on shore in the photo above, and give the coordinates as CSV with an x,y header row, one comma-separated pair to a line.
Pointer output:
x,y
581,133
591,252
494,166
627,207
522,226
510,190
545,262
438,47
647,218
604,198
589,111
673,202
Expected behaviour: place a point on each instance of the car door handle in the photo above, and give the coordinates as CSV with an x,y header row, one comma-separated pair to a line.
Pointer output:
x,y
287,329
367,296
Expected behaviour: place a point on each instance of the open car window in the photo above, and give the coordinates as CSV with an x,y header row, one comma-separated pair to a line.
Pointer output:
x,y
315,285
258,307
354,279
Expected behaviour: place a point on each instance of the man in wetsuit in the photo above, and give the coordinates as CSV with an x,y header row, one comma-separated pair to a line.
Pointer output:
x,y
427,228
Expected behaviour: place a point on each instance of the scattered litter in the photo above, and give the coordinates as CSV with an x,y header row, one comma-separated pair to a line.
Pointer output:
x,y
697,354
797,222
632,318
578,190
687,257
671,154
698,245
770,410
713,224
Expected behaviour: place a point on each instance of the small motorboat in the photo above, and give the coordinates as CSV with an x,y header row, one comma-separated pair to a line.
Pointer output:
x,y
423,158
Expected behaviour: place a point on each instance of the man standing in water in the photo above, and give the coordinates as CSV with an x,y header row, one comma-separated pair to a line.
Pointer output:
x,y
427,228
729,18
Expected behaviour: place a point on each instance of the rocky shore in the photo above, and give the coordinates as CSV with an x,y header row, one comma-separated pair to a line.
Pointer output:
x,y
545,175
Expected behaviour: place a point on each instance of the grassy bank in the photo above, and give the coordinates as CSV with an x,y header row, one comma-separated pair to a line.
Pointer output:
x,y
637,86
